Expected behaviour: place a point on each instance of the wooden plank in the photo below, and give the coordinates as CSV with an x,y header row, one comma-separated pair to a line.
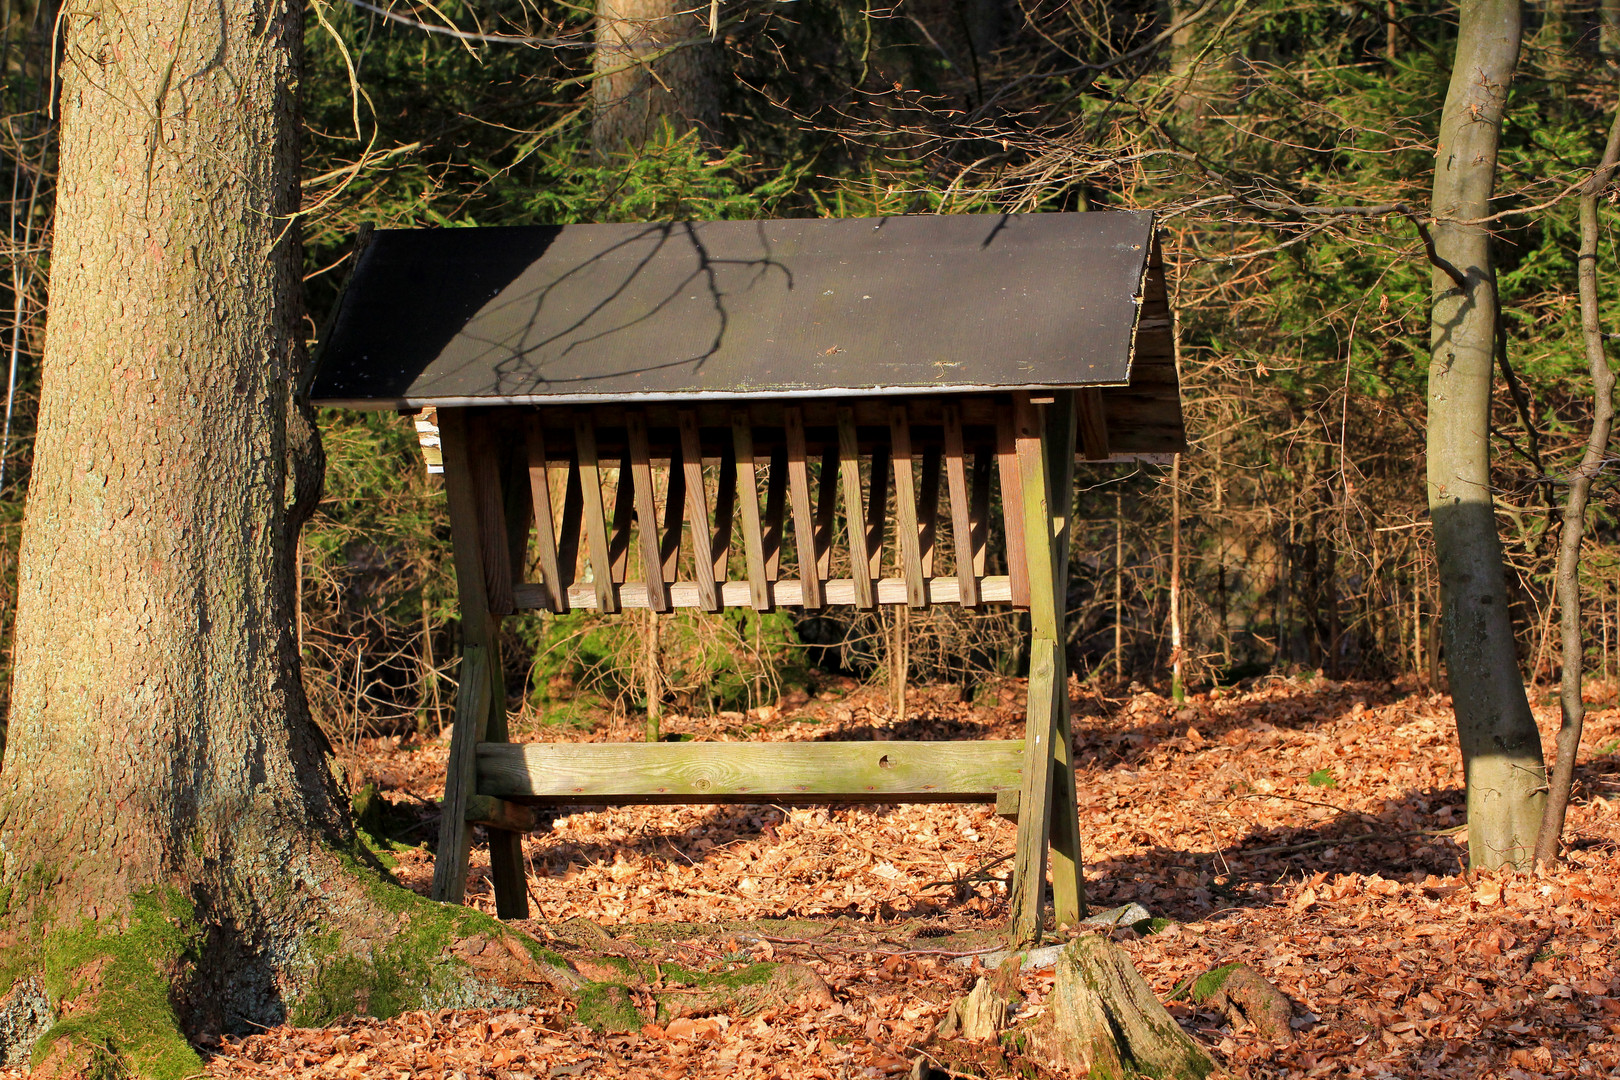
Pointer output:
x,y
928,508
789,593
674,517
461,775
725,503
984,463
1065,852
905,506
854,511
826,511
641,477
568,535
956,484
624,513
1012,504
1093,423
710,772
489,504
775,511
493,813
1028,900
545,529
697,510
877,509
594,514
742,437
804,525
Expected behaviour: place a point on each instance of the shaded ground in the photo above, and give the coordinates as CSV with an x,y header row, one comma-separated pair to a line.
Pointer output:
x,y
1311,829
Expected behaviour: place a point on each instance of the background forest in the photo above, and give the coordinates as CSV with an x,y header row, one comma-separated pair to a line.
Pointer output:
x,y
1281,144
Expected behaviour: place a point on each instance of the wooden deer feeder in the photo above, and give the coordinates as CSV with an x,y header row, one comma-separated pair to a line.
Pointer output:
x,y
756,414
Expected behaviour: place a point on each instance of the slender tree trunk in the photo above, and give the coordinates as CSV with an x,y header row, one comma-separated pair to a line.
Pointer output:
x,y
1569,548
1501,748
1178,692
653,67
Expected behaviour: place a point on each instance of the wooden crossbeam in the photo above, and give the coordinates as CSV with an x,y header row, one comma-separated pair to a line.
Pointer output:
x,y
584,774
786,593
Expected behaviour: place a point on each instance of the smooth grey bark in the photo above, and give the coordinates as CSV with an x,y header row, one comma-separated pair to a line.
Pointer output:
x,y
1571,707
653,68
1501,749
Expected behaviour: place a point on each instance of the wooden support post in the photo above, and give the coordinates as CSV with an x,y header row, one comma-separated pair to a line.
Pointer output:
x,y
775,511
854,512
641,475
804,522
481,700
697,510
905,508
956,484
1045,454
928,509
489,513
725,505
826,511
674,516
984,463
742,436
568,536
877,510
624,512
595,515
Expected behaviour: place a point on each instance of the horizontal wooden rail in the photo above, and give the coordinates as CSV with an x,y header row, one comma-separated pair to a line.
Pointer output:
x,y
584,774
532,596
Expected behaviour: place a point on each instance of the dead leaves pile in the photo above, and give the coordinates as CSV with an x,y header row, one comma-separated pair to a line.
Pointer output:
x,y
1310,829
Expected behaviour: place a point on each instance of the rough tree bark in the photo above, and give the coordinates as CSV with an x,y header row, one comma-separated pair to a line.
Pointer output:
x,y
1569,547
1501,748
177,855
653,68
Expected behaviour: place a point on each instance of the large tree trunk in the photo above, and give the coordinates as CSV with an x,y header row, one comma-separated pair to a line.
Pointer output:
x,y
178,858
652,69
1501,748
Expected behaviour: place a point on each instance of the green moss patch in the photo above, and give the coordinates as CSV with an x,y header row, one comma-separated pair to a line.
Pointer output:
x,y
116,982
1210,982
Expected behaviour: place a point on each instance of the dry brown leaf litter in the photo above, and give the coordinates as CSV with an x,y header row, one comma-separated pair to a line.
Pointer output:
x,y
1345,892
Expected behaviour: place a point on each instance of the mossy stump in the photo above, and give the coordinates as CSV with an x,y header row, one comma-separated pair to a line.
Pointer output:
x,y
1103,1021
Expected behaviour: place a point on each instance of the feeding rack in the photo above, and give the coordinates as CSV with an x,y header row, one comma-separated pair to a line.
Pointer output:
x,y
756,414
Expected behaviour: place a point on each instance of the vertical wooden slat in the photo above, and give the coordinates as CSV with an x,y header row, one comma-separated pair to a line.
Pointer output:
x,y
877,509
725,509
742,436
984,463
624,512
1092,416
545,529
928,509
804,524
568,535
905,508
697,510
641,475
826,509
956,484
593,513
481,700
674,516
775,512
849,449
1012,506
489,504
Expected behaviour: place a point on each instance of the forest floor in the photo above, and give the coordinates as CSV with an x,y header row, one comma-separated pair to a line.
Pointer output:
x,y
1309,828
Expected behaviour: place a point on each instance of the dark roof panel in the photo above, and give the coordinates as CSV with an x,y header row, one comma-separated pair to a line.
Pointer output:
x,y
738,308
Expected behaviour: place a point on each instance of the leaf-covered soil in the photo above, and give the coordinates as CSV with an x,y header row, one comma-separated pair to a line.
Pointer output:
x,y
1311,829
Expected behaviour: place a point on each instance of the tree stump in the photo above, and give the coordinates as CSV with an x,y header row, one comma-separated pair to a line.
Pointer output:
x,y
1103,1021
1245,996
